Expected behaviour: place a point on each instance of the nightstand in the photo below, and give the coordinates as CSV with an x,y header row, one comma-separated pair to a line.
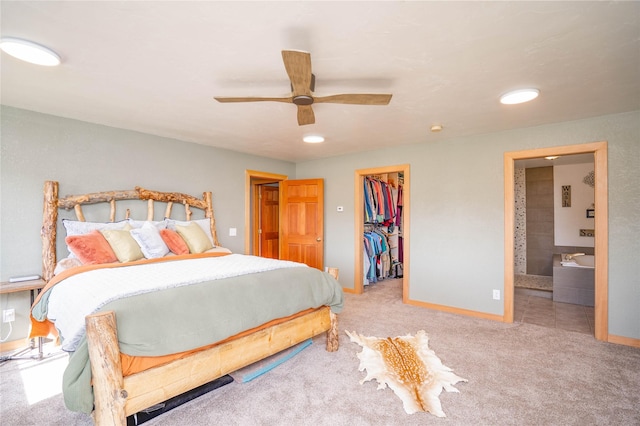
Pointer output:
x,y
34,288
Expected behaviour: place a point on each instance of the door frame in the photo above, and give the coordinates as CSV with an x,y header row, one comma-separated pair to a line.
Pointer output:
x,y
359,224
253,178
601,245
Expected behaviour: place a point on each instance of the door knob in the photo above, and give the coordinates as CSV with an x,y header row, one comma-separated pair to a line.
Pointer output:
x,y
318,239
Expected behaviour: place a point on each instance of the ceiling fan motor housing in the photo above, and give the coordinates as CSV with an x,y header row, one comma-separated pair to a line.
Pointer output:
x,y
303,100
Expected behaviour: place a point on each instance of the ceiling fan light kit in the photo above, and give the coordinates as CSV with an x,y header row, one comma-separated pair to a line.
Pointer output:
x,y
313,139
298,67
29,52
519,96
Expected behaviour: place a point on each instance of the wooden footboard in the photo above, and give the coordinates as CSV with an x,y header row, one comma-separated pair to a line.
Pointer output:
x,y
117,397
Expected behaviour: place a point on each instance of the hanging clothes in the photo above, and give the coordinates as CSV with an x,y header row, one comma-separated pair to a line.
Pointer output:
x,y
380,206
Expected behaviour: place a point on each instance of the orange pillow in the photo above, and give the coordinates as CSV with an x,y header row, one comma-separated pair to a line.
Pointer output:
x,y
91,248
174,241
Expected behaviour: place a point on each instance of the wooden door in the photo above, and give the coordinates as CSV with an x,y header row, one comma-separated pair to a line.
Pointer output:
x,y
302,221
268,232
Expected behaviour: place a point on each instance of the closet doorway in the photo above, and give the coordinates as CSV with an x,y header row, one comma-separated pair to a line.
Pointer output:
x,y
599,151
359,223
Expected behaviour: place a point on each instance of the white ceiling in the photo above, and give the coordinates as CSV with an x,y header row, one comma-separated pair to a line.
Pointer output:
x,y
154,67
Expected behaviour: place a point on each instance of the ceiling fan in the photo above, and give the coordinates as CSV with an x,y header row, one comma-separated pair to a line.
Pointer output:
x,y
298,66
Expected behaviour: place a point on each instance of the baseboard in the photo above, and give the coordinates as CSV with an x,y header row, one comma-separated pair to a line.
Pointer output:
x,y
14,344
621,340
459,311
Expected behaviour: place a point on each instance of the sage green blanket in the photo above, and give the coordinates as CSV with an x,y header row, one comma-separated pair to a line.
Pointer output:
x,y
179,319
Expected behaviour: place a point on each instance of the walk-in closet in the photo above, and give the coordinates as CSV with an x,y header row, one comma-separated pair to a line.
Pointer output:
x,y
382,239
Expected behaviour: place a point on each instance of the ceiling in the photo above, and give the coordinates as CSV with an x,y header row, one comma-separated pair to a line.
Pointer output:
x,y
155,67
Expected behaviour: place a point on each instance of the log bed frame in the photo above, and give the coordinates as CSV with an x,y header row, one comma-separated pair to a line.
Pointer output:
x,y
117,397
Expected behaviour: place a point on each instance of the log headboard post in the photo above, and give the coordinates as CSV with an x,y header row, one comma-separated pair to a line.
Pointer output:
x,y
208,212
48,231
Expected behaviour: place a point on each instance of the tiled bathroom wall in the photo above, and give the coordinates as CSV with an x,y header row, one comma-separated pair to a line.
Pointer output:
x,y
520,192
539,213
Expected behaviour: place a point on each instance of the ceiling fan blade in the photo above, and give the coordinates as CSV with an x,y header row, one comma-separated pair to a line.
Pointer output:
x,y
305,115
298,66
355,99
252,99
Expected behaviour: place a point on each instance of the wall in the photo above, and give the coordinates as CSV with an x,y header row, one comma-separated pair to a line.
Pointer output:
x,y
569,220
457,202
86,157
539,204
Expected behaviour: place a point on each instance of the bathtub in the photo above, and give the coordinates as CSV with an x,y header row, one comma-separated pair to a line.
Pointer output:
x,y
574,279
578,260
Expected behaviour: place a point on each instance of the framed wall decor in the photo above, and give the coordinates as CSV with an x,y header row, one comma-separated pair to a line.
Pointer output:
x,y
591,213
566,195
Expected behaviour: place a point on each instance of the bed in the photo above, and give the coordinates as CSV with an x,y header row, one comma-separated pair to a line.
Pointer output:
x,y
143,329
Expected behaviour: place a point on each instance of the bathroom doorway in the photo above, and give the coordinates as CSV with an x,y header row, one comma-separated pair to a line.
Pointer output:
x,y
599,151
543,229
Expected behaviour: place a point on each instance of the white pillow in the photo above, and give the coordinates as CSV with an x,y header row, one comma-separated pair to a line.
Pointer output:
x,y
205,224
75,227
150,242
135,224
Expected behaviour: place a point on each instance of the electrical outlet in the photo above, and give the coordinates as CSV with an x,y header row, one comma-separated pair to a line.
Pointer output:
x,y
496,294
9,315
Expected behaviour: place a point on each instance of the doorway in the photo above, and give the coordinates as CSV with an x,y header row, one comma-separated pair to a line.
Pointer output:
x,y
255,182
599,151
359,224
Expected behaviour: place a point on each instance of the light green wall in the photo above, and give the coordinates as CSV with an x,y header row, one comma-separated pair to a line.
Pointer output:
x,y
86,157
457,212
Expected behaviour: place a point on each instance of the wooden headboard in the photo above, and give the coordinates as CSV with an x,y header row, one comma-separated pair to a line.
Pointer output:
x,y
52,203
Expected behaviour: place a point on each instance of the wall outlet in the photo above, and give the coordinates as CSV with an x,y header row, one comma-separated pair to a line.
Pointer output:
x,y
496,294
9,315
233,232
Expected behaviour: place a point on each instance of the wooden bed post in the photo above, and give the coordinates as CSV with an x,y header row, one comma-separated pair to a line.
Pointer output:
x,y
48,230
106,369
333,340
208,212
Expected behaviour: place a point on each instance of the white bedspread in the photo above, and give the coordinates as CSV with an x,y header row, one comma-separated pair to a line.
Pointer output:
x,y
83,294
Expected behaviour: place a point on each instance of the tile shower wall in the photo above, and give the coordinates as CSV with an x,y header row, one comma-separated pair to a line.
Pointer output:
x,y
520,193
539,221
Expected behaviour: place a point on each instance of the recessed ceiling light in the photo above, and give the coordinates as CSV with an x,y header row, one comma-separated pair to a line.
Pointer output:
x,y
436,128
313,139
519,96
29,51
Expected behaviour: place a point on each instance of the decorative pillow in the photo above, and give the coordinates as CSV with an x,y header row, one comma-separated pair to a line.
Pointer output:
x,y
159,224
150,242
91,248
174,241
195,237
70,262
123,244
205,224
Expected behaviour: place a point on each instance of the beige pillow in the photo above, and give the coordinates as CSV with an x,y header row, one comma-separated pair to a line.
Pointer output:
x,y
195,237
123,245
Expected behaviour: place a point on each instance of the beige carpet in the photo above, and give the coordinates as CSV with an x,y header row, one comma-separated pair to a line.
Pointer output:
x,y
518,374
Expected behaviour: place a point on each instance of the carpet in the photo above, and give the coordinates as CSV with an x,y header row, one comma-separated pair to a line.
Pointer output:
x,y
261,367
409,367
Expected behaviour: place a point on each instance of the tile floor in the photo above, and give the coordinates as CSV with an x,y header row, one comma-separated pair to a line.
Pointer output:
x,y
536,307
